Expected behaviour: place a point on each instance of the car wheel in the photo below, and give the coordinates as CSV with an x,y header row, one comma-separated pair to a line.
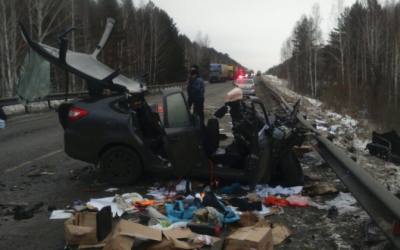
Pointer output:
x,y
291,169
120,166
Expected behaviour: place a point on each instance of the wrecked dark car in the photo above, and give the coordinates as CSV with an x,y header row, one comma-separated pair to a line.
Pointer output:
x,y
126,136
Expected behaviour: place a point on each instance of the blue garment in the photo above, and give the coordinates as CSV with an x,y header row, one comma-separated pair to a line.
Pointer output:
x,y
228,216
196,88
176,212
225,214
234,188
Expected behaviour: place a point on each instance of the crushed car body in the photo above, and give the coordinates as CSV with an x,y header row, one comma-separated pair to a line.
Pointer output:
x,y
126,136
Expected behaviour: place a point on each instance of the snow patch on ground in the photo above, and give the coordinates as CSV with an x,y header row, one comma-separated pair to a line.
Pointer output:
x,y
348,133
32,107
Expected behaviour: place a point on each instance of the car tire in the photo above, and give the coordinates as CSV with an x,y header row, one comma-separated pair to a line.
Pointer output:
x,y
120,166
291,169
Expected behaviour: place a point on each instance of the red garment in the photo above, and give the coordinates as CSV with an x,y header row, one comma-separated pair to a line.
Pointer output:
x,y
275,201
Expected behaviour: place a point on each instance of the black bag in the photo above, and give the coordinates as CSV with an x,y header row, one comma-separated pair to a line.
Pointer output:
x,y
3,115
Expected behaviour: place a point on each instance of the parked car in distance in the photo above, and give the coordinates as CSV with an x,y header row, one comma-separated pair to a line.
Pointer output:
x,y
247,85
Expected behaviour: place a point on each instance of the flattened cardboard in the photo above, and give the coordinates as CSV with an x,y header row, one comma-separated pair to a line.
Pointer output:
x,y
122,237
280,232
81,229
132,229
171,240
247,238
178,233
165,244
185,245
119,242
100,245
273,210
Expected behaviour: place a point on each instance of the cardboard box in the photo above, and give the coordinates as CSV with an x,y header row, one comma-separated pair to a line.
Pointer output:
x,y
81,229
124,233
250,238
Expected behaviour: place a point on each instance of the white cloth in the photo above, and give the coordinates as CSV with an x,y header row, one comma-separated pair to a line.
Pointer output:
x,y
2,124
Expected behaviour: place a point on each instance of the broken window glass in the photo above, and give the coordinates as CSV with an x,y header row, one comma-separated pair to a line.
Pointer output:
x,y
34,79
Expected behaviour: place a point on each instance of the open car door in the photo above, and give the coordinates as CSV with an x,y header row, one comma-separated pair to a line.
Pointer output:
x,y
181,138
258,161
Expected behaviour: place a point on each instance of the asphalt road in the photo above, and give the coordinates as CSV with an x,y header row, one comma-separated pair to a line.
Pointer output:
x,y
33,143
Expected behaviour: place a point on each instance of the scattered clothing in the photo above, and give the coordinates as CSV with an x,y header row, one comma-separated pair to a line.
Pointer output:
x,y
272,200
178,212
244,205
225,214
234,188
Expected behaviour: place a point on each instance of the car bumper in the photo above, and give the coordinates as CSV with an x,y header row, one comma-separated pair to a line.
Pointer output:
x,y
249,92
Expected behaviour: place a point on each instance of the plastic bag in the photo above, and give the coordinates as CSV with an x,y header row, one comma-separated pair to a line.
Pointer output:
x,y
343,202
297,200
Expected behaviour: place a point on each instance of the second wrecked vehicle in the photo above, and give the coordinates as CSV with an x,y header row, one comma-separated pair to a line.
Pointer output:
x,y
126,136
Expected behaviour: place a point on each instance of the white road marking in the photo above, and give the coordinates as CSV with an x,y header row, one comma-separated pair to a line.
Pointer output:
x,y
37,159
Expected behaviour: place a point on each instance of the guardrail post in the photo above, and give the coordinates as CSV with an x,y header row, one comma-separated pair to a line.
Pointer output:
x,y
49,104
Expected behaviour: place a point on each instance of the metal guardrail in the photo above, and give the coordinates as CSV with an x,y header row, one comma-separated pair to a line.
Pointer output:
x,y
380,204
60,96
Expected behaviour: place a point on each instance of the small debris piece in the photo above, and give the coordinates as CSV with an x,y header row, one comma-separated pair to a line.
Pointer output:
x,y
301,150
351,149
21,214
373,233
321,188
313,159
111,190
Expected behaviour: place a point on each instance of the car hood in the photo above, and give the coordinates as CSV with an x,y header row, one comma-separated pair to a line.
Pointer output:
x,y
86,66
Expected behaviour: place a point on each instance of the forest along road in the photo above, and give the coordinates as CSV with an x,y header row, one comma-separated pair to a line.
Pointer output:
x,y
32,144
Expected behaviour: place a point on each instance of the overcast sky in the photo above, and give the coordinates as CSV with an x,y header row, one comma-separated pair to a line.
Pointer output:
x,y
250,31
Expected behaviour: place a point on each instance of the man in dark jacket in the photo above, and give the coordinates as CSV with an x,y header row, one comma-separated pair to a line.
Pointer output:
x,y
195,92
3,118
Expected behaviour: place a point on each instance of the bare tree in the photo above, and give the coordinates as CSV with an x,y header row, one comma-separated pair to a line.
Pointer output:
x,y
286,54
318,41
201,48
39,10
9,49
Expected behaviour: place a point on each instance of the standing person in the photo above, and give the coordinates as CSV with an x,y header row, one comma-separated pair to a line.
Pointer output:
x,y
195,92
3,118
